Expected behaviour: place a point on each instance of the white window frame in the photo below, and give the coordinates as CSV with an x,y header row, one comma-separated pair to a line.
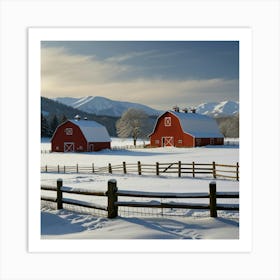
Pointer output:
x,y
167,121
68,131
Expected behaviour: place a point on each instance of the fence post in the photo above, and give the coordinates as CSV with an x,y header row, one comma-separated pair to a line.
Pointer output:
x,y
46,169
58,168
92,168
77,168
139,168
64,169
179,168
214,170
213,199
124,167
110,168
157,168
112,198
193,169
237,171
59,184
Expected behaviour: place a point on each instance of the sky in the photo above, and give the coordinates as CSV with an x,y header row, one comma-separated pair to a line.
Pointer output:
x,y
159,74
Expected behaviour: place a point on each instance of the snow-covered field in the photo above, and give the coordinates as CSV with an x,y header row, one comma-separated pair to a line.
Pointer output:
x,y
137,223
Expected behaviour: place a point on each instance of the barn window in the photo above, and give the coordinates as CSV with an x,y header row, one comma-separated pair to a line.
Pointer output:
x,y
198,141
57,148
68,131
211,141
180,141
167,121
156,141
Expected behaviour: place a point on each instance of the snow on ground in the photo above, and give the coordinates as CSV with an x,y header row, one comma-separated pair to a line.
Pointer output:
x,y
63,224
136,223
220,154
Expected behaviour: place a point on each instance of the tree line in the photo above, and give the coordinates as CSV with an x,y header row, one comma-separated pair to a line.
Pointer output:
x,y
49,125
54,110
137,124
133,123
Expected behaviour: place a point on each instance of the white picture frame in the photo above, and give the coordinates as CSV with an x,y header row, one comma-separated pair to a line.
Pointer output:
x,y
243,35
261,17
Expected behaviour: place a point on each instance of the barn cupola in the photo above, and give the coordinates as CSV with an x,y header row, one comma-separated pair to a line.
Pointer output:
x,y
176,108
185,110
77,117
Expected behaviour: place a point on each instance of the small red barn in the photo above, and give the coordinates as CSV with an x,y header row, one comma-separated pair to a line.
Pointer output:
x,y
184,129
80,136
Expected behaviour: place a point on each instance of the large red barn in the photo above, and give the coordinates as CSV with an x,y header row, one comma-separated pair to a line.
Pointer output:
x,y
80,136
184,129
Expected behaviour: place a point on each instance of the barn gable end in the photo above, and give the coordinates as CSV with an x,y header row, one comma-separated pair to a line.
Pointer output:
x,y
179,129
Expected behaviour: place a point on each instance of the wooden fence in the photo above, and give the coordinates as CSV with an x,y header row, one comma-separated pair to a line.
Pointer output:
x,y
215,170
113,202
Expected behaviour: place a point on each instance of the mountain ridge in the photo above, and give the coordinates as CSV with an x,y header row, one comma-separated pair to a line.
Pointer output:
x,y
218,109
102,106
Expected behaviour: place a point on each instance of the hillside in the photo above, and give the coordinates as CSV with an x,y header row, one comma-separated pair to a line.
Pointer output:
x,y
106,107
102,106
50,108
228,124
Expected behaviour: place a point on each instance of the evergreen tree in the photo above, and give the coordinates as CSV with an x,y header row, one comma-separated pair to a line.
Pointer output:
x,y
45,130
63,119
53,124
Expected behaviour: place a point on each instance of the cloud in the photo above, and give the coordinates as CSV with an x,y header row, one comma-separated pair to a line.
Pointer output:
x,y
128,56
59,66
65,74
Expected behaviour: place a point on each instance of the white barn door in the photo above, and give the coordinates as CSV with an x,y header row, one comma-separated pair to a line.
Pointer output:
x,y
69,147
168,141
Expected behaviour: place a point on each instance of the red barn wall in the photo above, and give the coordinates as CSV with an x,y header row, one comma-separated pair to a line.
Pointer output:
x,y
60,137
100,146
80,143
209,141
180,139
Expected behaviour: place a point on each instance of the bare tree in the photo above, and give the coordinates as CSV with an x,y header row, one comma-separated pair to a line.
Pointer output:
x,y
229,126
134,123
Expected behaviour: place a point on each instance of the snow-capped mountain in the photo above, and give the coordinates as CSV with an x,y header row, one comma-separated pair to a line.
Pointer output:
x,y
218,109
103,106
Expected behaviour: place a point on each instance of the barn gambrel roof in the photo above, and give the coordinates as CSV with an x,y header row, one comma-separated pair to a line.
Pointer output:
x,y
93,131
197,125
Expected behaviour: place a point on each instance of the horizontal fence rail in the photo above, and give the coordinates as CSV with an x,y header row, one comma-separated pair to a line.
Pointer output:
x,y
193,169
113,202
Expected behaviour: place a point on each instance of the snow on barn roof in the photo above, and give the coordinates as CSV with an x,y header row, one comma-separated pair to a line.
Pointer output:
x,y
197,125
93,131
